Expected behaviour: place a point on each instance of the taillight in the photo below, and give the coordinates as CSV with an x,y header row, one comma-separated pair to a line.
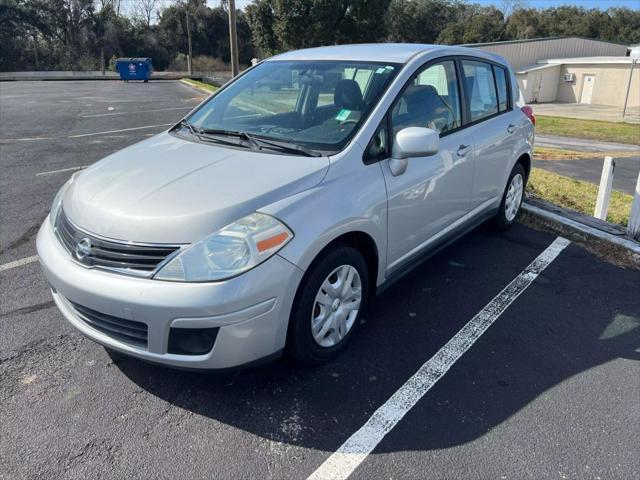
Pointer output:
x,y
528,111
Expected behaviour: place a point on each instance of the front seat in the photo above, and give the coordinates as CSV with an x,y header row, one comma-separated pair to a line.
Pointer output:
x,y
347,104
425,108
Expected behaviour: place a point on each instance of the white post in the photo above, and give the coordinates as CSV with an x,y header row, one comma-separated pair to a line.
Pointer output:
x,y
633,227
604,191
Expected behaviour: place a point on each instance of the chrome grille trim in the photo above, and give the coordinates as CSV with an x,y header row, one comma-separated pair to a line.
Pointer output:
x,y
128,258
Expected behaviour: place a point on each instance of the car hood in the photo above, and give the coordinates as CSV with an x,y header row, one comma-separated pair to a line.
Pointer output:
x,y
169,190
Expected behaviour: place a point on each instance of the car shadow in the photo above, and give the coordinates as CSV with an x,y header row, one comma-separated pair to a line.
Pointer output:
x,y
557,329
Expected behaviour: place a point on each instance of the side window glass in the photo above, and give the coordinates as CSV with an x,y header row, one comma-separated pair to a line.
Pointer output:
x,y
431,100
378,147
483,101
501,84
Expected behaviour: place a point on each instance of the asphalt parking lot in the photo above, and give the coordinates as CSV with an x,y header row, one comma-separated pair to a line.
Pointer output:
x,y
551,389
590,170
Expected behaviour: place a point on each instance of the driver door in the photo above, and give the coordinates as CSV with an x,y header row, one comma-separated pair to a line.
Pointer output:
x,y
435,191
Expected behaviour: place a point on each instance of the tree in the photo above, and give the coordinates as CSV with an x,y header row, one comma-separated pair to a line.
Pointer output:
x,y
524,23
261,17
146,11
474,25
287,24
114,5
72,34
623,26
419,21
507,7
209,31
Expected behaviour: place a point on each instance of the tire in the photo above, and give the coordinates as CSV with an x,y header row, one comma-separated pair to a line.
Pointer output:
x,y
307,310
506,216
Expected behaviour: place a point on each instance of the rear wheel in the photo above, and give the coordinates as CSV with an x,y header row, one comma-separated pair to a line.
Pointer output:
x,y
328,306
512,198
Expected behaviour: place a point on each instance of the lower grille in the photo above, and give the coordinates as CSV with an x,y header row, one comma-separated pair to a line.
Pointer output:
x,y
130,258
126,331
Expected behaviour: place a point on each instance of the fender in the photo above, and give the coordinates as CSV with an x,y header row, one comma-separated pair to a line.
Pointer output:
x,y
321,214
523,146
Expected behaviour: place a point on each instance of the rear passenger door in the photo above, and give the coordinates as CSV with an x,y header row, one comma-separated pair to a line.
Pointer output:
x,y
491,126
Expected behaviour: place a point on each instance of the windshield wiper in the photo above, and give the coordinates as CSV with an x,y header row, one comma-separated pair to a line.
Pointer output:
x,y
231,133
189,126
203,136
288,146
255,141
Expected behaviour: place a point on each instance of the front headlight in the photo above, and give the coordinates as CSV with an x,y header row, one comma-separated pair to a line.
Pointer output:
x,y
57,200
228,252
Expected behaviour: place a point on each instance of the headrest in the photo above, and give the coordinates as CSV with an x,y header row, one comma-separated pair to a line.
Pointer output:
x,y
422,97
348,95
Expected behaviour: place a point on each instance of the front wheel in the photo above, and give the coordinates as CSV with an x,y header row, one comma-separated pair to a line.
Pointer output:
x,y
328,306
512,198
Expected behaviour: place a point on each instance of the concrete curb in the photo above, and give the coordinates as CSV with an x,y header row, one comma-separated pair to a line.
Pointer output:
x,y
195,87
584,145
630,245
220,76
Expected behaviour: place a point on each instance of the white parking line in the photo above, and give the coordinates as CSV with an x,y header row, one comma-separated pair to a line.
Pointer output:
x,y
121,130
70,169
18,263
110,114
32,139
353,452
27,139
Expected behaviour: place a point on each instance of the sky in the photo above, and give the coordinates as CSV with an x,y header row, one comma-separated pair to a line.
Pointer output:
x,y
602,4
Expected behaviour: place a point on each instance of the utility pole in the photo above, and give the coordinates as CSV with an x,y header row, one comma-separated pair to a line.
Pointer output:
x,y
626,97
35,49
189,40
235,67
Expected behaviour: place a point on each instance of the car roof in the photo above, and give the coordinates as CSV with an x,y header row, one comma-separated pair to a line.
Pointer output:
x,y
381,52
373,52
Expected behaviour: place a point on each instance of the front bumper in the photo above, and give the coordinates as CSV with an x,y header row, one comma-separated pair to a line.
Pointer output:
x,y
251,310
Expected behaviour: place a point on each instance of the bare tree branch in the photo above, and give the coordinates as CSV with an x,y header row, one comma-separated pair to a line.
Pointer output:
x,y
147,10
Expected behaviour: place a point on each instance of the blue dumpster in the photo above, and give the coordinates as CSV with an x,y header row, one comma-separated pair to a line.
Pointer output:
x,y
134,68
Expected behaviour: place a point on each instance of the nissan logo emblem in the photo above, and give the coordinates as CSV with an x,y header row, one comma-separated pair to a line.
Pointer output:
x,y
83,248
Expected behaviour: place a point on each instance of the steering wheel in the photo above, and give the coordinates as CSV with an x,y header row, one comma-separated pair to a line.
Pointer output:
x,y
348,121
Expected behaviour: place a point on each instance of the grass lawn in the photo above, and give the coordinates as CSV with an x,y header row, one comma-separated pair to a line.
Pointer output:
x,y
199,84
544,153
591,129
577,195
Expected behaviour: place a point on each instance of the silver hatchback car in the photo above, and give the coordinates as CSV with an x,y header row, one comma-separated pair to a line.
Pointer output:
x,y
265,219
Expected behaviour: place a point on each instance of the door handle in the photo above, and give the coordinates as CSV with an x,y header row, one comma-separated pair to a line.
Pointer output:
x,y
511,128
463,150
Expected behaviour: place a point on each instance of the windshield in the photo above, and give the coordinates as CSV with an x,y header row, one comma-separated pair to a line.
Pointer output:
x,y
318,105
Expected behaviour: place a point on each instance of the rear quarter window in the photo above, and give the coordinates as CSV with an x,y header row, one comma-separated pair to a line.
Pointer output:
x,y
501,76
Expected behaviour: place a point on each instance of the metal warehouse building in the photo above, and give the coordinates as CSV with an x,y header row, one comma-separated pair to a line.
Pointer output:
x,y
573,70
522,53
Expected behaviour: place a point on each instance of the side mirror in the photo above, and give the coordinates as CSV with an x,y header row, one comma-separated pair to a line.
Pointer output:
x,y
412,142
415,142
